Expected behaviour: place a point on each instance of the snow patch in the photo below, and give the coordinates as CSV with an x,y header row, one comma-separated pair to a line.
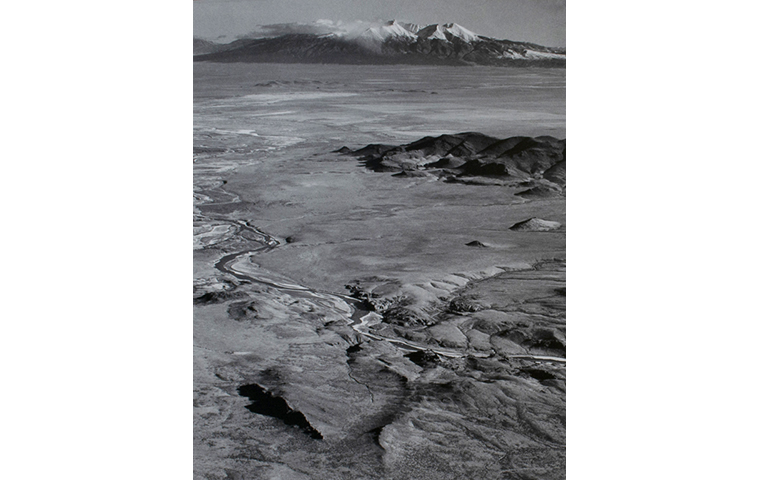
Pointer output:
x,y
390,30
448,31
543,55
433,31
461,32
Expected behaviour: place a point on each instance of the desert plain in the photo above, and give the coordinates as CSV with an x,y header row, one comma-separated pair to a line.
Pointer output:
x,y
366,315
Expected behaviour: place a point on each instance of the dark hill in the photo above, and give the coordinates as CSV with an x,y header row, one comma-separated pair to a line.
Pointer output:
x,y
556,173
461,144
532,155
476,154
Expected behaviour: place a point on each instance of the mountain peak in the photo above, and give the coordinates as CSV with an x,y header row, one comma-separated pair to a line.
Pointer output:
x,y
447,32
391,29
432,31
461,32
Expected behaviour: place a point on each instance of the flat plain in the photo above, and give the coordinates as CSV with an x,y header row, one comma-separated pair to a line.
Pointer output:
x,y
351,323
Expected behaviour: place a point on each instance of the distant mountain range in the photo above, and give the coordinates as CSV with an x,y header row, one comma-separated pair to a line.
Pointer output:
x,y
390,43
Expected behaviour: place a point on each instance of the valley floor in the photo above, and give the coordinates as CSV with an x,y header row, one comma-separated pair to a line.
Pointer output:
x,y
343,327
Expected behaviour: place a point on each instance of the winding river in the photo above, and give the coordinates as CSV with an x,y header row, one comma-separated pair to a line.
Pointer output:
x,y
360,318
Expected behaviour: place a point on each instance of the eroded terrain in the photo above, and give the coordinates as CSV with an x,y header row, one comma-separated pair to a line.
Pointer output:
x,y
352,323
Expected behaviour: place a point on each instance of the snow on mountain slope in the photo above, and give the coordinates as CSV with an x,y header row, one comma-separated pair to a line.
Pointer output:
x,y
534,55
412,27
392,29
448,31
433,31
461,32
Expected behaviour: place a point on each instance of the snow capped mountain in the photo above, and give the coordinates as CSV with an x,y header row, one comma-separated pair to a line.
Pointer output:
x,y
390,42
447,31
433,31
461,32
391,30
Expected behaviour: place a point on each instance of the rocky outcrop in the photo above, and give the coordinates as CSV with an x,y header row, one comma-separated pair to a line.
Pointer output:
x,y
265,403
534,224
538,160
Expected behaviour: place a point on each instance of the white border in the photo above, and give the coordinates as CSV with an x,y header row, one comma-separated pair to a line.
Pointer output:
x,y
97,355
662,327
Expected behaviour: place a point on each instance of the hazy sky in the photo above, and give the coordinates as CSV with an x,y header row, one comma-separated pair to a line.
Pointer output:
x,y
538,21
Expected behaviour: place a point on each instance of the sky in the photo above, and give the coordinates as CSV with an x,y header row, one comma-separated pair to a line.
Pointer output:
x,y
537,21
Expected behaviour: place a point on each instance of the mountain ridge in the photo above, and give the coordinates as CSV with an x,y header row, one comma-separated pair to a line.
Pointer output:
x,y
392,42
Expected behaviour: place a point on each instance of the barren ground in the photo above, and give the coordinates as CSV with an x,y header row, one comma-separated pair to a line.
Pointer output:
x,y
460,372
